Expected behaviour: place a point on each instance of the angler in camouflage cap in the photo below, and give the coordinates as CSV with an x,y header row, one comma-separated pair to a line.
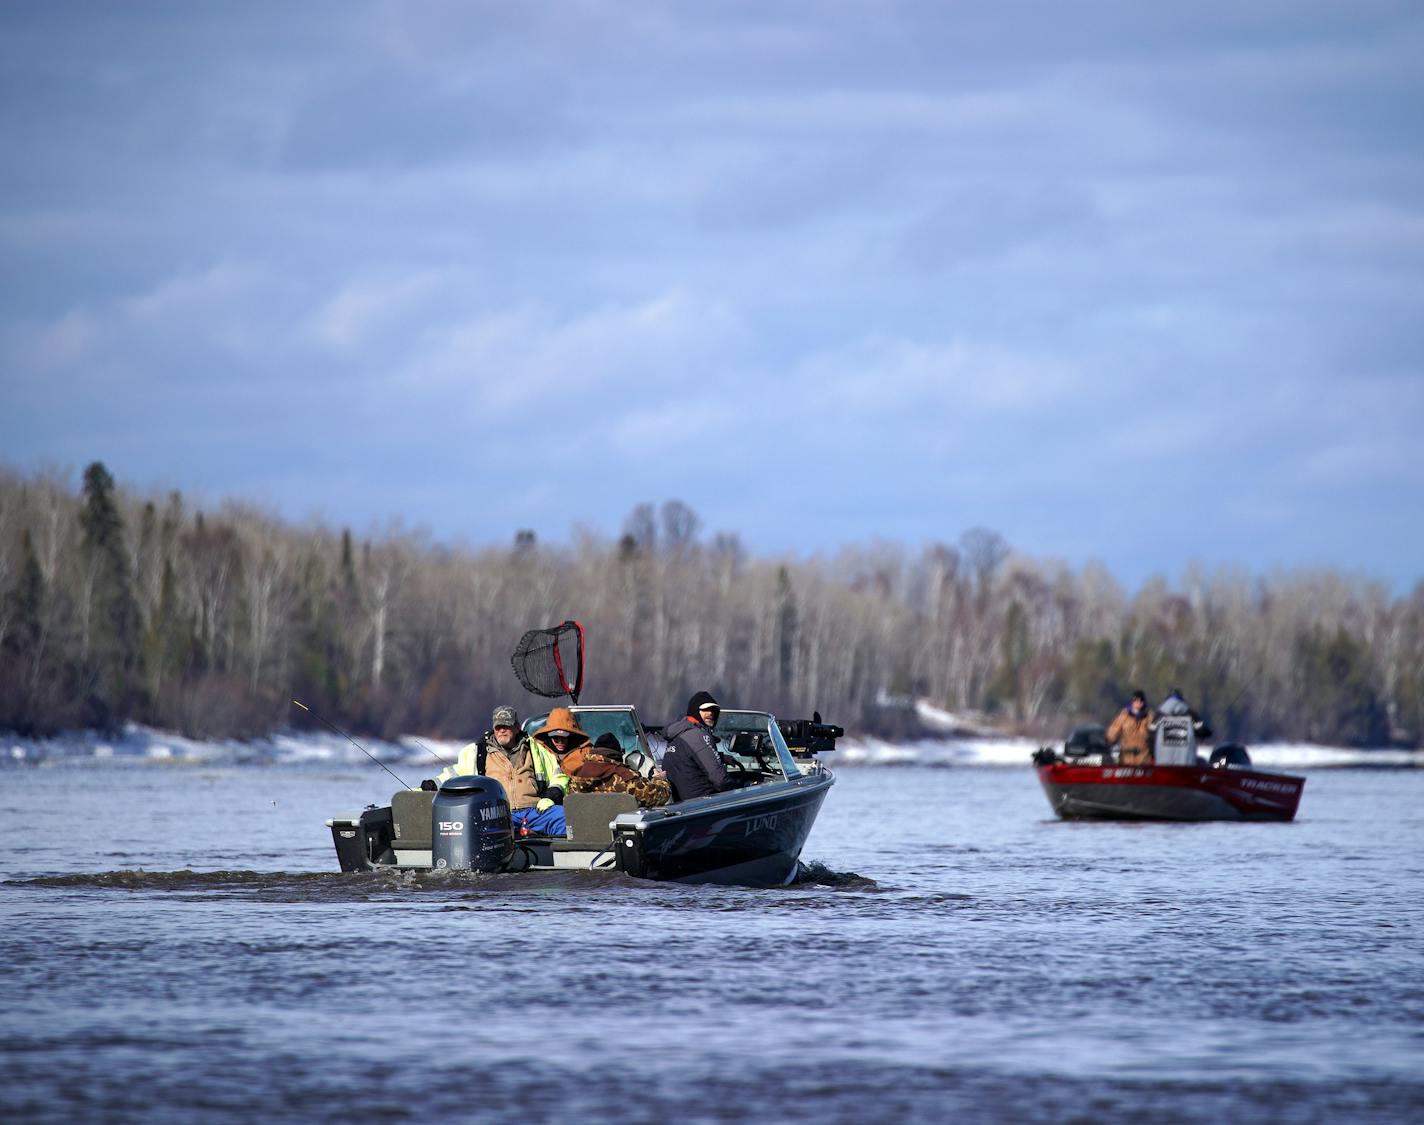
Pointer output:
x,y
504,736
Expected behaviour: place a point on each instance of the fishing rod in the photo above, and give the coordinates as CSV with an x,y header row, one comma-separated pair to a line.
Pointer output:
x,y
351,740
429,751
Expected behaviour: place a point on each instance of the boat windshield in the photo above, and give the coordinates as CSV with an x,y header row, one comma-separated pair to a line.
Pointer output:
x,y
754,741
621,722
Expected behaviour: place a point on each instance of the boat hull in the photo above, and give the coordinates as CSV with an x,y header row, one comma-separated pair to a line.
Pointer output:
x,y
1154,792
750,837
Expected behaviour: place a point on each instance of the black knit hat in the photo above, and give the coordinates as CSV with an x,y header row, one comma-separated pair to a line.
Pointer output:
x,y
700,700
608,745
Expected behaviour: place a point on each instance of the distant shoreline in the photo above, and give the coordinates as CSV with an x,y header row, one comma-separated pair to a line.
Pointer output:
x,y
139,745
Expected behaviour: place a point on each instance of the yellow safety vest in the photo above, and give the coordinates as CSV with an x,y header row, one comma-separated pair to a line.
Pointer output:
x,y
546,764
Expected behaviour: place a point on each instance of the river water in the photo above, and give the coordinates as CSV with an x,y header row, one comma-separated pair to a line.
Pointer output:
x,y
176,946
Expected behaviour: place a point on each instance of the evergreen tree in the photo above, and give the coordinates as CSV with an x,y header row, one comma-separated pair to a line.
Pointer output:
x,y
114,650
26,601
22,651
167,645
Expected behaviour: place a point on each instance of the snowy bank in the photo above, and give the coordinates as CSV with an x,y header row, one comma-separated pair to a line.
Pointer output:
x,y
419,757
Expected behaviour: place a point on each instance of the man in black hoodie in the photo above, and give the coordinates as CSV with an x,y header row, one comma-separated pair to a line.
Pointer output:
x,y
691,763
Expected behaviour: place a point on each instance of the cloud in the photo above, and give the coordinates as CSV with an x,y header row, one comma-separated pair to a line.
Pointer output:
x,y
363,306
63,343
936,381
960,264
528,356
986,220
192,293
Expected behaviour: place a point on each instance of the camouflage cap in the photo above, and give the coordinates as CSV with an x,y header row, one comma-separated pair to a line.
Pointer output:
x,y
506,716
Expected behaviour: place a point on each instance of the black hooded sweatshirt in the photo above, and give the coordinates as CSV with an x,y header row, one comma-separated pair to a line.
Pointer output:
x,y
690,761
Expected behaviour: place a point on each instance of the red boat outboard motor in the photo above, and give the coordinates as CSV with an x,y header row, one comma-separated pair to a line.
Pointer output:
x,y
1230,754
470,825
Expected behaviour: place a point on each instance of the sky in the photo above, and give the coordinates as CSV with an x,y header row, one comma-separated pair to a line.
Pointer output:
x,y
1129,283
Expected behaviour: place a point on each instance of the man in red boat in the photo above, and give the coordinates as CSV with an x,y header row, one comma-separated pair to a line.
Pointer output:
x,y
1175,704
1131,730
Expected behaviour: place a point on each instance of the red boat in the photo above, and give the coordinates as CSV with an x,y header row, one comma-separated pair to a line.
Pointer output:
x,y
1087,784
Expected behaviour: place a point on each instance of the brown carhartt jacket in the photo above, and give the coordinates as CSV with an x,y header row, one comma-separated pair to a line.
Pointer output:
x,y
521,782
521,786
590,772
1134,736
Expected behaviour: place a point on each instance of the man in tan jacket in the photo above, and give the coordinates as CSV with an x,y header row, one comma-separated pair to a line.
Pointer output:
x,y
526,766
1131,730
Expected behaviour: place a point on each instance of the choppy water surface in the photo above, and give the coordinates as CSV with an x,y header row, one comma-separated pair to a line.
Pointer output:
x,y
177,946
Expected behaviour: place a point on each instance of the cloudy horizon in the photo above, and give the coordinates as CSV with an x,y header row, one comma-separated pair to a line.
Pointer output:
x,y
1122,284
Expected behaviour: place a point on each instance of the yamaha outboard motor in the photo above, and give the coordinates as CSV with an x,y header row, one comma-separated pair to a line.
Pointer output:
x,y
470,825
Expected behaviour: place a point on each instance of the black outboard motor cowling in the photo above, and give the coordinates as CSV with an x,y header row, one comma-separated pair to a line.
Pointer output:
x,y
1231,754
469,825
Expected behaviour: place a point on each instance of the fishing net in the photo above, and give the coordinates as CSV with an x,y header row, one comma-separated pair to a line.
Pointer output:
x,y
549,662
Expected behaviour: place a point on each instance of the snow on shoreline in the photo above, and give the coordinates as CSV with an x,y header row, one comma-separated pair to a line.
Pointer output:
x,y
969,747
144,744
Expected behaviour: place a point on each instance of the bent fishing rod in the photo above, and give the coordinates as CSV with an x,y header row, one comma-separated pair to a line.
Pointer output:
x,y
327,722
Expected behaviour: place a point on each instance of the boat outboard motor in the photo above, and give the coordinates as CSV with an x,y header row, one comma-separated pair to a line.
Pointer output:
x,y
1230,754
1176,741
469,825
1086,740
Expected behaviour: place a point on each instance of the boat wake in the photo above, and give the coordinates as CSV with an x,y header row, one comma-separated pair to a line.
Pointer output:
x,y
814,874
365,886
277,886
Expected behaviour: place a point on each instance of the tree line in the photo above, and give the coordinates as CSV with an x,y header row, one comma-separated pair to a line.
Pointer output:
x,y
116,607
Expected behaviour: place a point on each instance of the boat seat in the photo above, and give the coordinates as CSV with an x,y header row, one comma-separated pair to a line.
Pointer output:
x,y
589,814
410,814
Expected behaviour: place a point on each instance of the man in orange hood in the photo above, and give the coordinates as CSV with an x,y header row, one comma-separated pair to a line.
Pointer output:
x,y
537,782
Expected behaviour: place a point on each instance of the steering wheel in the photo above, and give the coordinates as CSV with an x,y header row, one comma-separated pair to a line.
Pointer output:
x,y
762,749
734,764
